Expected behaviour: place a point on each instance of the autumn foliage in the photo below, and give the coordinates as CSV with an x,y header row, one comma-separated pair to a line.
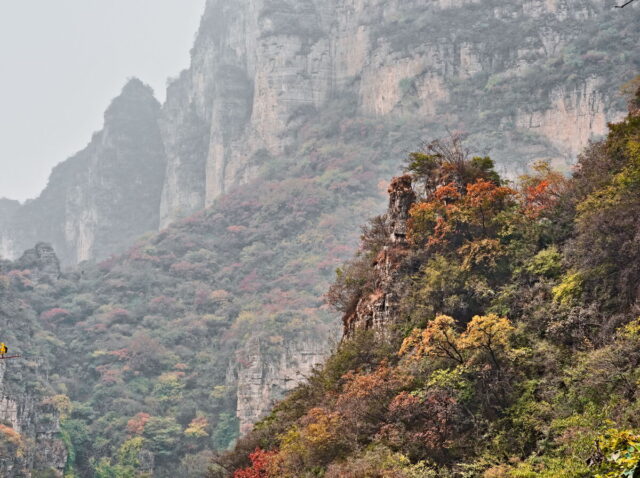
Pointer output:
x,y
454,214
515,343
260,462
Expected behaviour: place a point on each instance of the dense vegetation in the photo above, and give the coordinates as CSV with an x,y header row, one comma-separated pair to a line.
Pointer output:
x,y
515,351
136,355
141,349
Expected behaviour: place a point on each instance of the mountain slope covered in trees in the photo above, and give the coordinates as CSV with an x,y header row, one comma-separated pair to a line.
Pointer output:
x,y
511,346
277,143
155,349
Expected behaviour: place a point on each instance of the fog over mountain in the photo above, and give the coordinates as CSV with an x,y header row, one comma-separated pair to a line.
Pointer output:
x,y
62,63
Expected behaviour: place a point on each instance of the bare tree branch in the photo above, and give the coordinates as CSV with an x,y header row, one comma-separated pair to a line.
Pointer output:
x,y
625,4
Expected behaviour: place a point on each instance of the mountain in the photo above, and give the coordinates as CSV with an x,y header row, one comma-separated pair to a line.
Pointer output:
x,y
488,331
527,81
261,69
268,153
103,198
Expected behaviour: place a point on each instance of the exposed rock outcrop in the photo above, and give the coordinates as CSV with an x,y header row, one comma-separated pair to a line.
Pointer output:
x,y
8,210
262,67
376,310
30,438
33,429
575,116
261,379
41,261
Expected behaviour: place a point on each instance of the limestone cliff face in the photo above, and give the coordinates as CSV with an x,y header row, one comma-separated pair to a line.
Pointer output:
x,y
575,116
261,67
260,379
31,427
30,439
255,65
99,201
8,210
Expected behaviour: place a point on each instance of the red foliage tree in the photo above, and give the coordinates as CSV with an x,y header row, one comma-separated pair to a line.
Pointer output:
x,y
55,314
430,423
136,425
541,190
453,215
260,461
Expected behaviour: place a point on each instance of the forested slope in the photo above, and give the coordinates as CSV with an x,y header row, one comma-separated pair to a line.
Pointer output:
x,y
270,150
174,346
500,337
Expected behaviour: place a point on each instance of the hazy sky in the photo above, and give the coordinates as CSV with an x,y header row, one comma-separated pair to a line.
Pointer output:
x,y
62,61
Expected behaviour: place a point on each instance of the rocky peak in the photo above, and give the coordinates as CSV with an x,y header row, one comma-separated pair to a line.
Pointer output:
x,y
262,69
136,103
102,199
136,88
41,261
401,198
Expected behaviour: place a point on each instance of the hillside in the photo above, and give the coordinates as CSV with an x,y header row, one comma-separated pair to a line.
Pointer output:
x,y
490,330
196,330
198,238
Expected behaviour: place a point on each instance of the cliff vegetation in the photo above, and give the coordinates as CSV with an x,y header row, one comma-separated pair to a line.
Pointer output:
x,y
499,339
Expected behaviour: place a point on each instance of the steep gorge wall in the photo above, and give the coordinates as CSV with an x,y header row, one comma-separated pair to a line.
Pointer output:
x,y
30,434
262,67
30,431
575,116
261,379
260,70
527,80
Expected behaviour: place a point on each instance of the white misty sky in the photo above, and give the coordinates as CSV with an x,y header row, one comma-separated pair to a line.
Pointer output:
x,y
62,61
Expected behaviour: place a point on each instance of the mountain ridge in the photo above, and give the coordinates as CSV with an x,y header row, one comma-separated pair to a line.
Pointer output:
x,y
162,349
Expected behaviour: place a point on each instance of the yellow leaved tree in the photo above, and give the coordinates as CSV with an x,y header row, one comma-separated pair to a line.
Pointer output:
x,y
485,336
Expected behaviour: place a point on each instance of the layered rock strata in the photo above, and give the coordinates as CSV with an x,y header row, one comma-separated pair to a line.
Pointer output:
x,y
261,379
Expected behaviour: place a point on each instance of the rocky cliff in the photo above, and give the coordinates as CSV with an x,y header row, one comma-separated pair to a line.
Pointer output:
x,y
260,68
103,198
30,434
261,379
480,329
308,104
378,308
